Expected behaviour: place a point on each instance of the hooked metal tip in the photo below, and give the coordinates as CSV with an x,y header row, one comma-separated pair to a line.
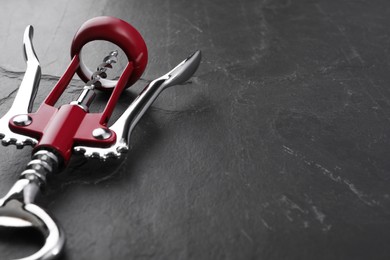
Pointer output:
x,y
183,72
28,48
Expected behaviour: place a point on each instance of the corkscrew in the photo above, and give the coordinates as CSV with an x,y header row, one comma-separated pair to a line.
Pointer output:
x,y
55,133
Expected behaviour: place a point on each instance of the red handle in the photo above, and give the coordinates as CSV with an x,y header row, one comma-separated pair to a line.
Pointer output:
x,y
118,32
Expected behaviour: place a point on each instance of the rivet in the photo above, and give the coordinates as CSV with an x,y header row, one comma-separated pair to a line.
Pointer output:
x,y
101,133
22,120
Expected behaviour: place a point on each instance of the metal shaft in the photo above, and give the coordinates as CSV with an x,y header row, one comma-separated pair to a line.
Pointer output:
x,y
87,96
42,163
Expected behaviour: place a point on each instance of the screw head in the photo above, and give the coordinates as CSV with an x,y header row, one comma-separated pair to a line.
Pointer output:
x,y
22,120
101,133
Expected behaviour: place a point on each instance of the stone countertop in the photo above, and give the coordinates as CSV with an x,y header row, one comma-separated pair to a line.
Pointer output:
x,y
277,148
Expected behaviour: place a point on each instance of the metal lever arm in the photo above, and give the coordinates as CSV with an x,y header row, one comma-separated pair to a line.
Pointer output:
x,y
124,126
25,97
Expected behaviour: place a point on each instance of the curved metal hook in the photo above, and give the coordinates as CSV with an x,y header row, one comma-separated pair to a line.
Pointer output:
x,y
17,210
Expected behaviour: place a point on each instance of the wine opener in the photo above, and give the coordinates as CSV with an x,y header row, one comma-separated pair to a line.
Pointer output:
x,y
57,132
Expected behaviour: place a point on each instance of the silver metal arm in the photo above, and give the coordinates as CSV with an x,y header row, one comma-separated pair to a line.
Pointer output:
x,y
124,126
25,97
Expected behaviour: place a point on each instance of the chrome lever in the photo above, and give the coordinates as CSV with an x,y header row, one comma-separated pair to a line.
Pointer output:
x,y
25,96
124,126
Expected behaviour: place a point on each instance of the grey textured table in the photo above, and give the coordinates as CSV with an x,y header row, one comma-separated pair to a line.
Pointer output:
x,y
278,147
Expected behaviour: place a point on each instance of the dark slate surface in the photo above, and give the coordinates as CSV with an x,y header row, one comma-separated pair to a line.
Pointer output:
x,y
278,148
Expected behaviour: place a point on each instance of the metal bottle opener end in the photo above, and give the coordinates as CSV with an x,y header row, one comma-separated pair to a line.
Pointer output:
x,y
17,212
124,126
18,208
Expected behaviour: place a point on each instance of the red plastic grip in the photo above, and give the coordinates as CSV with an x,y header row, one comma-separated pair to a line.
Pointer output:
x,y
118,32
